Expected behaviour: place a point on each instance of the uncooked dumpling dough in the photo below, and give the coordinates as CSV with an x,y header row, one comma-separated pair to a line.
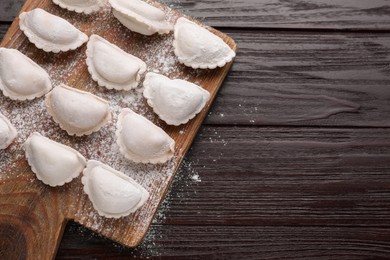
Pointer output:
x,y
50,32
111,66
199,48
53,163
20,77
8,132
140,17
77,112
174,101
81,6
140,140
112,193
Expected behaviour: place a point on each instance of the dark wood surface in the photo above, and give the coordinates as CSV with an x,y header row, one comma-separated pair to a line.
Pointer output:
x,y
294,159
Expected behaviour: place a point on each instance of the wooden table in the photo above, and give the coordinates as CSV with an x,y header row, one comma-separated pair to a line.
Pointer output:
x,y
294,159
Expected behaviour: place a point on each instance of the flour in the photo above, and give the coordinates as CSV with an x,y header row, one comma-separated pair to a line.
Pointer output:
x,y
181,188
70,68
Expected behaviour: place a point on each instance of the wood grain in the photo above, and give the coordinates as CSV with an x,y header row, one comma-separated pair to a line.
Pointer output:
x,y
41,223
32,216
280,242
304,14
306,79
284,176
270,192
236,242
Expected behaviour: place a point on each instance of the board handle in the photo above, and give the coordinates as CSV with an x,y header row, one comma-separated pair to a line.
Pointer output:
x,y
31,221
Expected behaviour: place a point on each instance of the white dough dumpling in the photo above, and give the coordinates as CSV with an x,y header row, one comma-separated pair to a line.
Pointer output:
x,y
20,77
8,132
112,67
53,163
140,17
81,6
174,101
197,47
112,193
140,140
77,112
50,32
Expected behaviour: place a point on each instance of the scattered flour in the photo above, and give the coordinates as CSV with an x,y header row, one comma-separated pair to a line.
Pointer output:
x,y
70,68
196,178
150,246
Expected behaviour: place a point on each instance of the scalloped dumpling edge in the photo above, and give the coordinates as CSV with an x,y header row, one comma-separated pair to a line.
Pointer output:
x,y
31,73
138,22
81,9
79,38
200,60
117,176
127,61
151,84
70,129
75,161
167,151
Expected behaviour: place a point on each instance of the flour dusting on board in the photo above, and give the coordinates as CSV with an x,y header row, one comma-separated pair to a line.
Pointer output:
x,y
182,188
70,68
67,68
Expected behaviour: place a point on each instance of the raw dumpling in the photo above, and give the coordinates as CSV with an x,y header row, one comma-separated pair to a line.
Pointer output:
x,y
174,101
197,47
7,132
81,6
112,193
49,32
77,112
53,163
140,17
20,77
140,140
112,67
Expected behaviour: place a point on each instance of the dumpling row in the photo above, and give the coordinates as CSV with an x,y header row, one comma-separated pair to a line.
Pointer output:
x,y
194,45
81,113
112,193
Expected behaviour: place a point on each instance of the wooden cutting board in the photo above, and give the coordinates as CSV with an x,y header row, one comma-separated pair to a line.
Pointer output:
x,y
33,215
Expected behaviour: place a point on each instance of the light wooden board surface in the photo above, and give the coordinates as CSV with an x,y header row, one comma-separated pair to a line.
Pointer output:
x,y
38,213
